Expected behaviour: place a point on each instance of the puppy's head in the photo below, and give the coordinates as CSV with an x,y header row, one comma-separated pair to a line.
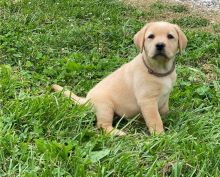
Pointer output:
x,y
160,40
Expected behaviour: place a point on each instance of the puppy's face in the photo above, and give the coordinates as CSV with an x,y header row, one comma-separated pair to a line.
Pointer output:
x,y
160,40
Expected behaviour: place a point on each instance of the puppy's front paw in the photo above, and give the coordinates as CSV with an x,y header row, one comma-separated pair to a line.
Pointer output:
x,y
113,131
156,131
117,132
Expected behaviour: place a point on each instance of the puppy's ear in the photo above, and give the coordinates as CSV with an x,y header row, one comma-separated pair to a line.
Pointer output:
x,y
139,37
182,40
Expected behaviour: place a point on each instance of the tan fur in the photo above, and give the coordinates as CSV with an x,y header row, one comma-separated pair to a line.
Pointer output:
x,y
131,89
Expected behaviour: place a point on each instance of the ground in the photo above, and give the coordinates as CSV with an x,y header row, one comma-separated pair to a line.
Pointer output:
x,y
77,43
207,4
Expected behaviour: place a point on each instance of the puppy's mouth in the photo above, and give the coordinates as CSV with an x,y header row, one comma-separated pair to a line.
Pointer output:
x,y
160,55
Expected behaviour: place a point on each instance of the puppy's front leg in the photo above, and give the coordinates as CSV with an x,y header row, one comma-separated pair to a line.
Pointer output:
x,y
149,109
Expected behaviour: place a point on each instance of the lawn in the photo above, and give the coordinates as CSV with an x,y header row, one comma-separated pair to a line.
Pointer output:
x,y
76,43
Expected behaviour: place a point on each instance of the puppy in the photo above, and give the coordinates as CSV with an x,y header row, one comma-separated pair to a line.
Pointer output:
x,y
141,86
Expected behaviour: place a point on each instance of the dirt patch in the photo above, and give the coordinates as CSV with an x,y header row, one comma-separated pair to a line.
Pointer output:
x,y
208,4
170,10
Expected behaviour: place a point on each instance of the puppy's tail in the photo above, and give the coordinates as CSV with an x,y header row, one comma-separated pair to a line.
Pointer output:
x,y
67,93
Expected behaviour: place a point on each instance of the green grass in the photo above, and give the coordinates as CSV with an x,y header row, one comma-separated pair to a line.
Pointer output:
x,y
192,22
161,6
77,43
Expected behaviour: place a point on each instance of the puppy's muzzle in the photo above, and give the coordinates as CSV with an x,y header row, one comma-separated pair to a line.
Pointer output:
x,y
160,50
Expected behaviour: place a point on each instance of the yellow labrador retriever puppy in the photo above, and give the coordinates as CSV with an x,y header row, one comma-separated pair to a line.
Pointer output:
x,y
141,86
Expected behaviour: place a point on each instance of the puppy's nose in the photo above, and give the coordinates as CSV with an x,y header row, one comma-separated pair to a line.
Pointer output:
x,y
160,46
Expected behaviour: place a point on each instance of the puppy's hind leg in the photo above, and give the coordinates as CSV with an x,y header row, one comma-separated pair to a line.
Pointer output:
x,y
104,115
165,108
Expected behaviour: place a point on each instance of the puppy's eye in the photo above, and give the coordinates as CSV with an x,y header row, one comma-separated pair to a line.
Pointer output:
x,y
151,36
170,36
